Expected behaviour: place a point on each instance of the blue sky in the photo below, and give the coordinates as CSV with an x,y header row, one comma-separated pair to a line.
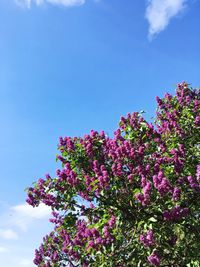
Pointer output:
x,y
69,66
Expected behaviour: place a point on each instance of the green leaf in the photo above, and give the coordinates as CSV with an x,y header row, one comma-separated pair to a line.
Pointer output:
x,y
152,219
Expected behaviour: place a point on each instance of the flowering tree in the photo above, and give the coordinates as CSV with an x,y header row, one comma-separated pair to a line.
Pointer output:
x,y
141,192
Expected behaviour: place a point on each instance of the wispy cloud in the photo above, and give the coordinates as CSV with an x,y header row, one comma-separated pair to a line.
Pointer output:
x,y
160,12
8,234
21,230
24,214
37,213
66,3
3,249
26,263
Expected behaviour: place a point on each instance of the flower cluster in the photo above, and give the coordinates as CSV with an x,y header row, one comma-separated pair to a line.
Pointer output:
x,y
176,213
154,259
139,189
148,239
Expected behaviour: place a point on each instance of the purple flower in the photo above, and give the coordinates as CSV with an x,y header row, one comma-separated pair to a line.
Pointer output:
x,y
91,244
198,173
112,221
154,259
148,239
175,213
99,241
197,120
176,194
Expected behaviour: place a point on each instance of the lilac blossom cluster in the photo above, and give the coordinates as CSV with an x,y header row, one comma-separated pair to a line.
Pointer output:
x,y
146,177
175,214
154,259
147,240
89,238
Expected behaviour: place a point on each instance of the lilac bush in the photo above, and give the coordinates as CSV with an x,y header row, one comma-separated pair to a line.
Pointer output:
x,y
130,200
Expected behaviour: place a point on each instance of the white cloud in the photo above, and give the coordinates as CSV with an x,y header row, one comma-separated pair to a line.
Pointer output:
x,y
8,234
160,12
66,3
3,249
24,214
26,263
23,3
37,213
26,223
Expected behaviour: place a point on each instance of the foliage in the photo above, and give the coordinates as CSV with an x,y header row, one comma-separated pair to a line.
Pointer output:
x,y
141,192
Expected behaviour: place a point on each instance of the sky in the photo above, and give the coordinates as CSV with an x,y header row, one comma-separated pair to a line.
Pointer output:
x,y
69,66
